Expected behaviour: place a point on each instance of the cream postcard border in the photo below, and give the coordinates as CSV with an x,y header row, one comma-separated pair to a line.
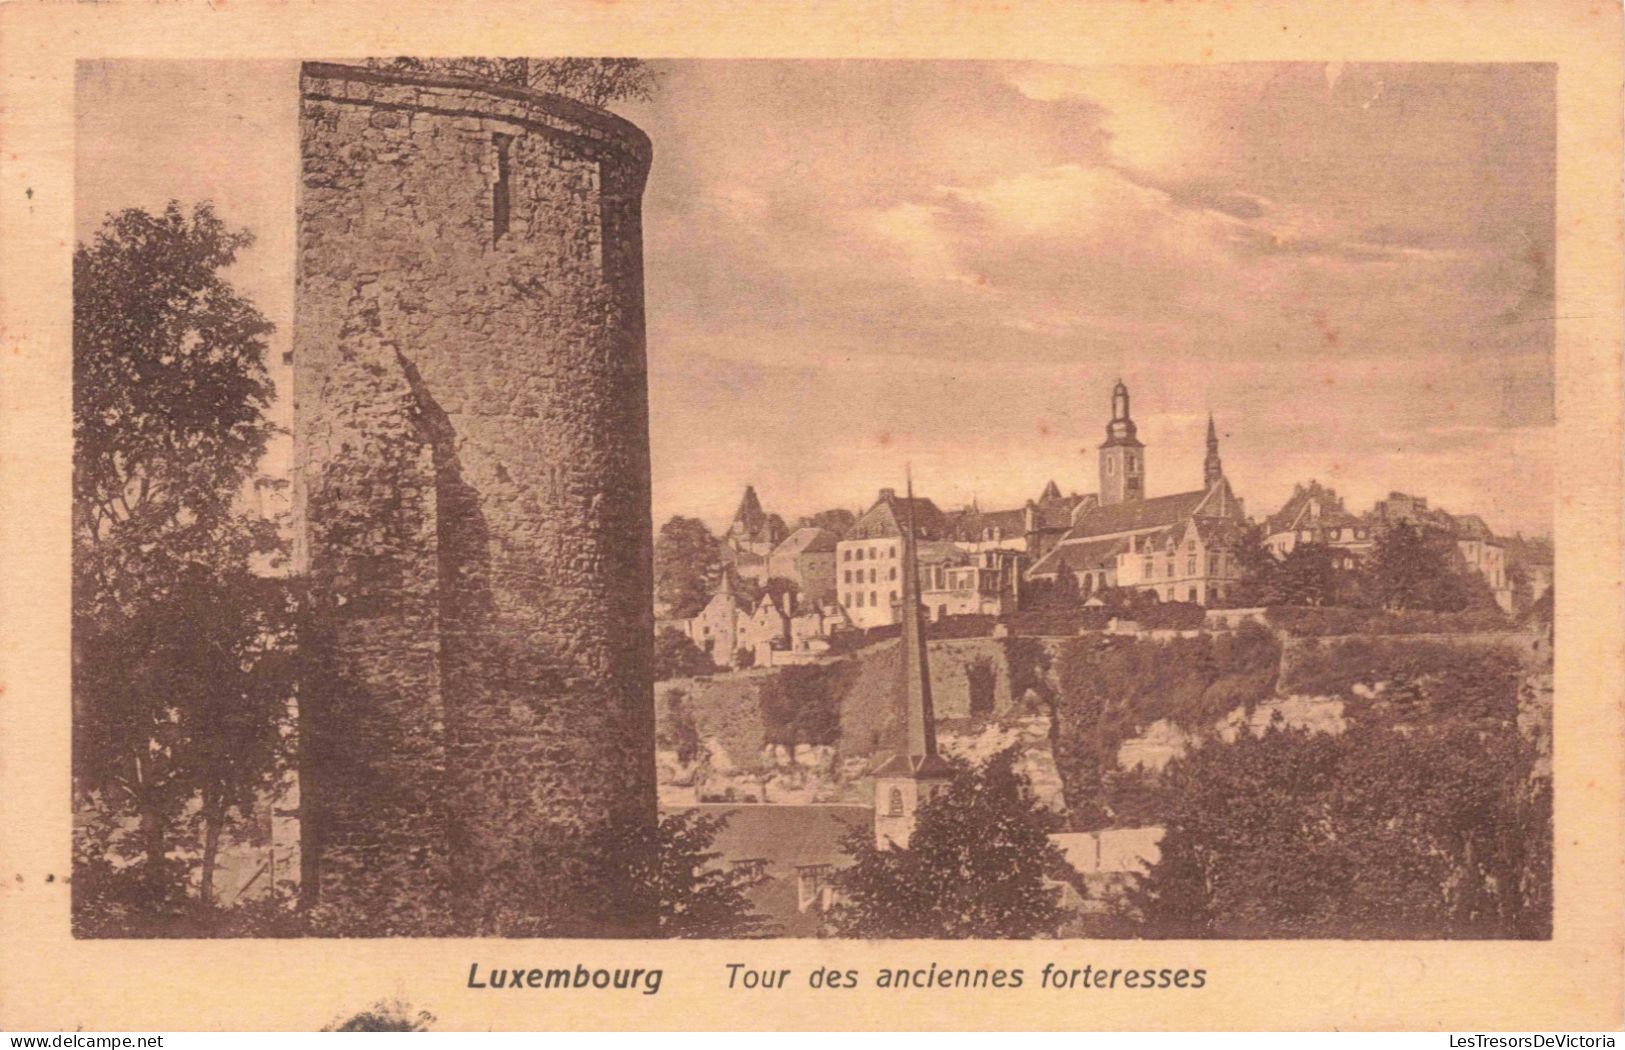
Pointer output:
x,y
49,981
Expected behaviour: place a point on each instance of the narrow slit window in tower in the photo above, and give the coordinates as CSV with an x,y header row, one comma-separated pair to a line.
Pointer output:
x,y
499,189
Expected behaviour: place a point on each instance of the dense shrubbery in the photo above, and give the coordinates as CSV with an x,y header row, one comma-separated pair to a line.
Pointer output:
x,y
1057,614
676,656
1381,832
1028,663
1111,687
679,731
1422,677
968,626
801,704
628,878
979,864
1331,620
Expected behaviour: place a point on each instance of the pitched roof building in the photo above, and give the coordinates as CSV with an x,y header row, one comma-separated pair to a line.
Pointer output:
x,y
807,558
1033,528
1181,546
868,558
1315,513
752,531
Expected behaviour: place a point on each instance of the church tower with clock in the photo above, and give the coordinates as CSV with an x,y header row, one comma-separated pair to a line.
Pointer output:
x,y
1122,456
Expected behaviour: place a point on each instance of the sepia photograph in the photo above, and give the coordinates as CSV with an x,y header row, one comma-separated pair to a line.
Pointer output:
x,y
603,497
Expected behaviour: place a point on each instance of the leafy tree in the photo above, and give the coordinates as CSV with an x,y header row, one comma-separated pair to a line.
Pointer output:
x,y
180,673
1111,688
744,658
687,565
1421,568
676,656
1388,830
801,705
1308,575
595,81
633,879
978,864
681,733
1258,567
836,520
673,873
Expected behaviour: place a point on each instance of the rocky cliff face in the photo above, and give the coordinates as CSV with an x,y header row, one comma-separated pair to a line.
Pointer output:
x,y
735,758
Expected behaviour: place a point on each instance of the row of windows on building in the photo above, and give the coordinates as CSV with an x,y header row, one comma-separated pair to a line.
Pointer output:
x,y
1307,535
856,576
856,553
1215,566
854,599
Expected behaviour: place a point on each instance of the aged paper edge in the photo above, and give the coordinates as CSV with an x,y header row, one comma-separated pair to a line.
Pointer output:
x,y
50,981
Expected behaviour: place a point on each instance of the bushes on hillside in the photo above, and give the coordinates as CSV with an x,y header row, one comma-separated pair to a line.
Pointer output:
x,y
967,626
1059,619
676,656
1333,620
801,704
1111,687
1028,662
1417,678
1381,832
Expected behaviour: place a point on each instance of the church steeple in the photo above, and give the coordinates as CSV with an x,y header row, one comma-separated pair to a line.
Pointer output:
x,y
920,739
914,771
1122,459
1212,468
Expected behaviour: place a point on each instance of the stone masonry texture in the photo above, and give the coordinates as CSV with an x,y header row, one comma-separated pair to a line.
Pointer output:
x,y
471,433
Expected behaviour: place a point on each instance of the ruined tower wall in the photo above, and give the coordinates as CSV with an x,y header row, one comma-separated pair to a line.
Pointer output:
x,y
471,418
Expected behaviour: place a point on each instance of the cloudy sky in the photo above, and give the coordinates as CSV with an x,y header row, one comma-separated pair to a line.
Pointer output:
x,y
853,265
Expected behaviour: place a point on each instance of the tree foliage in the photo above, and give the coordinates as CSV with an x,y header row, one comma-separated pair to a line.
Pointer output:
x,y
1415,567
836,520
632,879
676,656
182,675
978,865
1385,831
687,566
680,732
677,874
1112,687
801,704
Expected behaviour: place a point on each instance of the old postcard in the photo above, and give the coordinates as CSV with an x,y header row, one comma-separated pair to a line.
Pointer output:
x,y
1031,516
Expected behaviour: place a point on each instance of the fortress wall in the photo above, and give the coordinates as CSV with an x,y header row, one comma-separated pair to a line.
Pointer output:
x,y
473,461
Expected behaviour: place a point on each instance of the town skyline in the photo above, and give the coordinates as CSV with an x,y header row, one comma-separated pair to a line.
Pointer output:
x,y
1130,224
1188,468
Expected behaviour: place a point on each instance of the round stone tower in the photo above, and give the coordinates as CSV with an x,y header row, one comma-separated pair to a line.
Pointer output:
x,y
471,432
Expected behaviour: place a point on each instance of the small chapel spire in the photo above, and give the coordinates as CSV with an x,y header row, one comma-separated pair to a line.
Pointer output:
x,y
921,737
914,772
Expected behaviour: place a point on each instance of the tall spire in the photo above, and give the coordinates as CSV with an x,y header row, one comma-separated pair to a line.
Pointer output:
x,y
1121,430
919,736
1212,468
